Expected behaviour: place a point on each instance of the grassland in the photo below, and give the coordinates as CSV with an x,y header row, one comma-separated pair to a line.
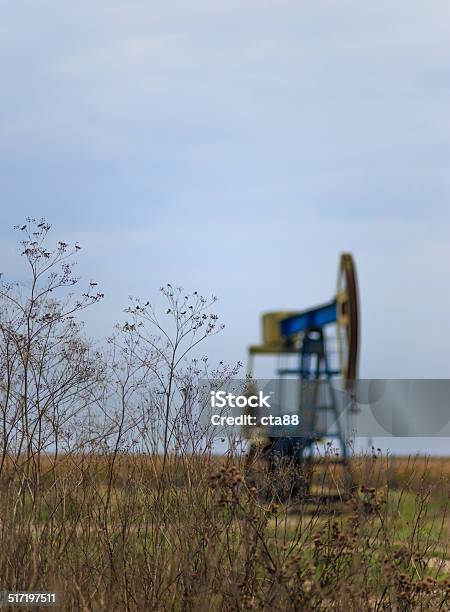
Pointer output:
x,y
130,532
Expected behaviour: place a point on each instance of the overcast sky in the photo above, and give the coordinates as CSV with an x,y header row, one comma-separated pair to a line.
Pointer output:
x,y
238,148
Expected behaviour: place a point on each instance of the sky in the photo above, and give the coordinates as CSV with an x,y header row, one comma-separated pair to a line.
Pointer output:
x,y
237,148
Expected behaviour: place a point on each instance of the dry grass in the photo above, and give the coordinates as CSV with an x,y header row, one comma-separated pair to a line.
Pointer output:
x,y
191,533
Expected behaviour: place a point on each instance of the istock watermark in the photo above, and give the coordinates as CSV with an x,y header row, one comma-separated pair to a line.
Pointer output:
x,y
221,399
257,416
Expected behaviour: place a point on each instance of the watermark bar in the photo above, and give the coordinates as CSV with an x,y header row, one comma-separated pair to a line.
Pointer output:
x,y
317,408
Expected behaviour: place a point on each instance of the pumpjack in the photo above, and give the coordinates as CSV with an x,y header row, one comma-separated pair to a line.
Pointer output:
x,y
323,343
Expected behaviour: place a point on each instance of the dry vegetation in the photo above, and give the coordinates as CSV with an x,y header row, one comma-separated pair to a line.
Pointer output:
x,y
110,494
121,532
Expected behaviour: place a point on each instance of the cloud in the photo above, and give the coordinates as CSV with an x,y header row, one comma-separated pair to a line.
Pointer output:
x,y
241,146
111,81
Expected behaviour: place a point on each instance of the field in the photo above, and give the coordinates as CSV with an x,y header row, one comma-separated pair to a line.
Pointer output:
x,y
124,532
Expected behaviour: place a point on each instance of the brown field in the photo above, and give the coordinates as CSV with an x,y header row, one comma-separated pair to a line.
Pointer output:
x,y
125,532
